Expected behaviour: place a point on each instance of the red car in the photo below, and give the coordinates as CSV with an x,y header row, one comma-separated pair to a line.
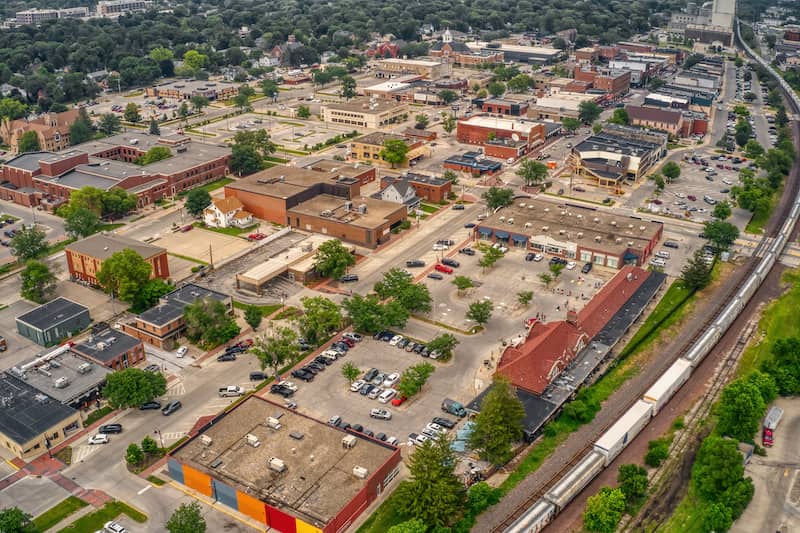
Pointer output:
x,y
530,322
444,268
691,197
347,341
256,236
657,201
398,400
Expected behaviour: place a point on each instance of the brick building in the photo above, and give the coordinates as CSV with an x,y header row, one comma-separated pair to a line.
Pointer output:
x,y
364,113
656,118
428,69
503,138
111,348
368,149
362,173
430,188
459,53
85,257
612,82
472,162
500,106
52,130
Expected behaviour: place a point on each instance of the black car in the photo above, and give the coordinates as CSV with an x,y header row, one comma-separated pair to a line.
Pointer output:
x,y
586,268
386,336
369,433
343,346
458,207
226,357
671,244
171,407
451,262
235,349
371,373
323,360
110,428
257,376
310,370
444,422
415,263
303,375
357,427
529,256
366,389
403,343
446,242
418,348
146,406
469,225
467,251
381,437
348,278
435,275
425,352
276,388
319,367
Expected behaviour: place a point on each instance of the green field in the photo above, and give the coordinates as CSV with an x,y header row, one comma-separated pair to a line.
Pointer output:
x,y
59,512
94,521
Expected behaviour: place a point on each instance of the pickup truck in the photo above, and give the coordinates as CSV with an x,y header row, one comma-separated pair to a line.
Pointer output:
x,y
230,390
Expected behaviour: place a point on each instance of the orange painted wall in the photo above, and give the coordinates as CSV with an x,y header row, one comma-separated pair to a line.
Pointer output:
x,y
252,507
197,480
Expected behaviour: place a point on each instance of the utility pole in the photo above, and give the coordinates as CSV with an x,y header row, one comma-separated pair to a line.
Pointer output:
x,y
210,257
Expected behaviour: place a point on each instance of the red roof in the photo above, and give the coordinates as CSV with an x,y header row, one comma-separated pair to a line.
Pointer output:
x,y
550,347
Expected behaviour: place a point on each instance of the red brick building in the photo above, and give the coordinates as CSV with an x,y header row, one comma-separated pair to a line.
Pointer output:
x,y
614,82
657,119
499,106
503,138
85,257
112,349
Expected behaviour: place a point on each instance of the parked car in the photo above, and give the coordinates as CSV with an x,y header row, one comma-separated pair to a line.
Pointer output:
x,y
469,225
391,379
380,414
100,438
110,428
356,385
152,368
349,278
147,406
451,262
181,351
529,256
444,268
538,257
467,251
257,376
403,343
395,340
418,348
586,268
671,244
226,357
458,207
353,336
171,407
366,389
302,374
444,422
335,420
277,388
114,527
571,265
370,374
415,263
398,400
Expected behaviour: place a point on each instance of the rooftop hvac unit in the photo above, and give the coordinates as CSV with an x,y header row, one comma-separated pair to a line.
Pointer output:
x,y
580,234
561,232
276,465
45,372
618,240
206,440
563,213
349,441
642,228
360,472
598,238
522,205
362,208
273,423
101,345
502,219
111,340
510,221
327,213
528,224
252,440
596,220
348,206
531,206
613,222
61,382
546,209
85,368
545,228
580,216
630,243
630,226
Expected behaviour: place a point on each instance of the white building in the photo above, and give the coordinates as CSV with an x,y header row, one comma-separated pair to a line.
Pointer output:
x,y
723,13
226,213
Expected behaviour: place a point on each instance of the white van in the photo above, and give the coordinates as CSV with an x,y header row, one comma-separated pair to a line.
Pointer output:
x,y
387,395
663,254
658,263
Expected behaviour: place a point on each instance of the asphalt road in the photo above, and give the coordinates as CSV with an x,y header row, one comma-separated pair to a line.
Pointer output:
x,y
53,225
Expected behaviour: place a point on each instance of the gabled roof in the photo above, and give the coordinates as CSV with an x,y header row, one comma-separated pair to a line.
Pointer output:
x,y
226,205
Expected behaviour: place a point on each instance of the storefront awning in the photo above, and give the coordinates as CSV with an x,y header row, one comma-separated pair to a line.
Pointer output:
x,y
519,238
485,231
630,256
500,234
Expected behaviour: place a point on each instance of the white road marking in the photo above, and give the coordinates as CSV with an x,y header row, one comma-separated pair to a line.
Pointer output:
x,y
148,487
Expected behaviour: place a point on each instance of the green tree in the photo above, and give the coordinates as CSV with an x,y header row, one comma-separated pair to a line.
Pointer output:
x,y
633,483
556,269
303,112
12,109
620,116
195,60
742,132
524,298
147,296
117,202
546,278
696,274
81,222
90,198
421,121
740,409
37,283
480,312
131,113
496,88
245,159
753,150
394,152
258,139
532,172
597,128
149,445
14,520
447,96
657,452
399,284
369,315
671,171
413,379
570,124
154,129
490,257
253,315
82,129
270,89
433,494
183,110
109,124
444,345
322,77
196,201
277,350
722,211
333,259
721,234
604,510
462,283
320,317
717,518
209,323
784,365
781,118
350,372
133,454
159,53
737,497
520,83
348,89
132,387
499,424
717,467
28,142
498,197
28,243
153,155
187,519
124,273
415,525
448,123
659,182
451,176
589,111
198,103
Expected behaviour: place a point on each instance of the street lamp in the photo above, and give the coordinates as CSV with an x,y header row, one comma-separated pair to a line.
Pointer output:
x,y
160,438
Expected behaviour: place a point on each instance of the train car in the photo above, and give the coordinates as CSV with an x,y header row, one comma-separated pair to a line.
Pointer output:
x,y
749,289
535,519
729,314
576,480
666,386
624,430
700,349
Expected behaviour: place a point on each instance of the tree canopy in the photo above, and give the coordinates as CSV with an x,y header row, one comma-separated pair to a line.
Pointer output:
x,y
276,350
499,424
532,172
369,315
196,201
394,152
498,197
132,387
399,284
209,323
29,243
37,283
333,259
604,510
320,317
187,519
124,274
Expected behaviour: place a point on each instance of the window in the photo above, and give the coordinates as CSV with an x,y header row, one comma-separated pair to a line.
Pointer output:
x,y
586,257
599,259
612,262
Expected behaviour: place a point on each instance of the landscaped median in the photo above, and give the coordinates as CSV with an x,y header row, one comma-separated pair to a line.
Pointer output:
x,y
95,521
59,512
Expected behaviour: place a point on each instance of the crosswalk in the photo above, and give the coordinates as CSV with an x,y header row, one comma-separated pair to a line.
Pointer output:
x,y
172,436
79,453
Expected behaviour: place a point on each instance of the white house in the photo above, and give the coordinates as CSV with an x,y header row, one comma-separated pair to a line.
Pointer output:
x,y
227,212
399,192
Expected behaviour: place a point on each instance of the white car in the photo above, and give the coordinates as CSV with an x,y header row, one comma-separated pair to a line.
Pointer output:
x,y
114,527
503,249
680,195
100,438
538,257
391,379
289,385
374,393
381,414
181,351
439,247
570,265
727,182
395,340
435,427
356,386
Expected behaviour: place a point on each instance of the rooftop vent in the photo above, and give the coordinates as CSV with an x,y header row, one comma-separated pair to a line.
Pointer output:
x,y
327,213
41,398
273,423
618,240
362,209
510,221
360,472
613,222
561,232
528,224
598,238
252,440
596,220
206,440
349,441
502,219
580,234
85,368
61,382
296,435
642,228
630,243
545,228
276,465
522,204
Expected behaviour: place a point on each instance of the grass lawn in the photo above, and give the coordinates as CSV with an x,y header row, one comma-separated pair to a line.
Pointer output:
x,y
273,159
64,455
266,310
688,516
94,416
59,246
290,151
289,313
155,480
233,232
759,220
187,258
777,321
214,185
290,123
56,514
110,227
94,521
12,217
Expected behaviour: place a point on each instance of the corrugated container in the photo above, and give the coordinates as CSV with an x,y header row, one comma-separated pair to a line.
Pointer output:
x,y
623,431
773,418
534,519
663,389
573,483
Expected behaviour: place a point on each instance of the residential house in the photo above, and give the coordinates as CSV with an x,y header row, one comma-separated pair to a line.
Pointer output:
x,y
399,192
227,212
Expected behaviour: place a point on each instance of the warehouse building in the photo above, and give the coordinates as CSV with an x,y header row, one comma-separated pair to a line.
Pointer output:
x,y
537,55
54,321
369,147
185,89
287,471
559,106
573,232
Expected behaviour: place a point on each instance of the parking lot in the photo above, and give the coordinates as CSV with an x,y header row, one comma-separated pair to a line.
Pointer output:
x,y
201,244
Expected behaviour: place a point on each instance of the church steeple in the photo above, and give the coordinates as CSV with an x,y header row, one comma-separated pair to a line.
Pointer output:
x,y
447,37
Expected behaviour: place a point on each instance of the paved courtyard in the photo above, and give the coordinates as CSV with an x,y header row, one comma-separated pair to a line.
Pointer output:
x,y
202,244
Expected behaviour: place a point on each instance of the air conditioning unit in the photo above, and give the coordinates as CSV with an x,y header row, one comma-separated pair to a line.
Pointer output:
x,y
598,238
101,346
614,223
362,208
510,221
276,465
327,213
502,219
273,423
61,382
580,234
348,206
545,228
85,368
642,228
252,440
596,220
349,441
206,440
360,472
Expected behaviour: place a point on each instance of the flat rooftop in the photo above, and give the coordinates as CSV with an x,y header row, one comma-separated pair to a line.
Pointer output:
x,y
365,106
26,413
318,481
563,100
521,125
418,178
171,306
602,142
378,138
415,62
377,210
285,182
280,262
28,161
106,345
196,85
338,168
102,246
533,50
52,313
82,376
